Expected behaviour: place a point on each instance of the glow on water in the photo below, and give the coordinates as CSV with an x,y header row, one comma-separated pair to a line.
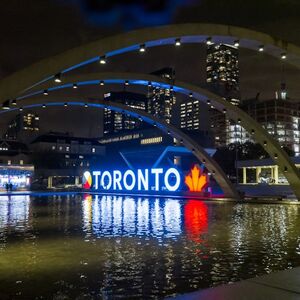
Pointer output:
x,y
102,247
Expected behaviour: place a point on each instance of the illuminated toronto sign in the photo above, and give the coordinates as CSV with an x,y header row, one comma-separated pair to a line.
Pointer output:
x,y
155,179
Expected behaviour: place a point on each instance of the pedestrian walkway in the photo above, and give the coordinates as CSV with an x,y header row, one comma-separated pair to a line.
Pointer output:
x,y
284,285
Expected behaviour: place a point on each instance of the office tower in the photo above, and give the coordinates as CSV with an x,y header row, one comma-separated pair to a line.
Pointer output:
x,y
222,70
280,117
161,100
115,122
190,115
23,127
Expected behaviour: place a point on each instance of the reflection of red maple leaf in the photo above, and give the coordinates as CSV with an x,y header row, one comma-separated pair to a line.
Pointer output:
x,y
196,181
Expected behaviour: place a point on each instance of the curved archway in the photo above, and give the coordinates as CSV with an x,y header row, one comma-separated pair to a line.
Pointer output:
x,y
211,165
273,148
11,86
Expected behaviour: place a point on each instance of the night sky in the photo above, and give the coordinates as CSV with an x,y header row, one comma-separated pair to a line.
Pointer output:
x,y
34,29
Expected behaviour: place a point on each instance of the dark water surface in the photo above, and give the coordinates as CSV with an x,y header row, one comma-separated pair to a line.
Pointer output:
x,y
108,247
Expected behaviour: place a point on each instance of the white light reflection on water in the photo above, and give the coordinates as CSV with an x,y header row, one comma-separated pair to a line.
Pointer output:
x,y
126,216
14,211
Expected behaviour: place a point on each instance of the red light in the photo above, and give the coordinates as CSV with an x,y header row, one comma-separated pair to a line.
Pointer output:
x,y
195,219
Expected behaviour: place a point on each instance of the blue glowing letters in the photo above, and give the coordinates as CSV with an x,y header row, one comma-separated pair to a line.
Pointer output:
x,y
156,179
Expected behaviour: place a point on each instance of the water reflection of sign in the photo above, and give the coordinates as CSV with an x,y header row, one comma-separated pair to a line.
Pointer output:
x,y
155,179
196,180
195,219
127,216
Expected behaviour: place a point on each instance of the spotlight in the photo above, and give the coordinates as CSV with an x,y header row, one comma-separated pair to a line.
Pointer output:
x,y
57,77
252,131
171,88
208,41
102,82
283,55
275,156
236,43
169,132
239,121
126,82
285,169
224,111
178,42
261,48
5,105
208,102
102,60
75,86
149,84
142,48
191,95
46,92
44,106
85,105
265,143
154,124
65,104
14,102
21,109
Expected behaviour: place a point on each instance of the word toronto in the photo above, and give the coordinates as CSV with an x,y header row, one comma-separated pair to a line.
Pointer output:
x,y
155,179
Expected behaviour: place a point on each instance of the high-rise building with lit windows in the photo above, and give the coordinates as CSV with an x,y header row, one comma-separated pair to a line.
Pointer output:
x,y
190,115
280,117
115,122
222,70
161,100
23,127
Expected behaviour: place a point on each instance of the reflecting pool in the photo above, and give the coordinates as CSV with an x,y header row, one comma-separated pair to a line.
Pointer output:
x,y
106,247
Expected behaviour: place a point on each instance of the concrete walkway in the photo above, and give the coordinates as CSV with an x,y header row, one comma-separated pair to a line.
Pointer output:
x,y
284,285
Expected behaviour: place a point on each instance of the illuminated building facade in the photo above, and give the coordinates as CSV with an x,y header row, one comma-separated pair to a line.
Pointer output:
x,y
15,165
115,122
23,127
222,77
191,122
190,115
161,100
280,117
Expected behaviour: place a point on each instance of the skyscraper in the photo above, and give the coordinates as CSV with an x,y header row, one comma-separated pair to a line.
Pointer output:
x,y
190,115
117,122
222,70
280,117
161,100
23,127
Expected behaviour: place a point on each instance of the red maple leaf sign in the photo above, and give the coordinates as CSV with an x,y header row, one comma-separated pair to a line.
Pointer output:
x,y
195,180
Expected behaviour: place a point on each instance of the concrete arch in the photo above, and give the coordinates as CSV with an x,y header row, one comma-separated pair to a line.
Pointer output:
x,y
14,84
279,156
211,165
